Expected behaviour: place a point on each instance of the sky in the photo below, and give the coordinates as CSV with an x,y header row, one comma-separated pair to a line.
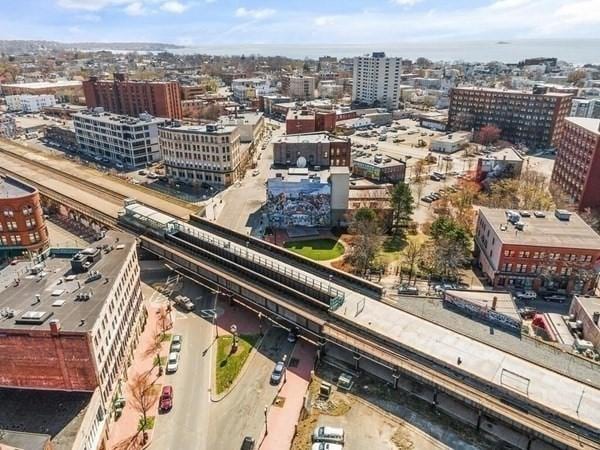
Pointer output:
x,y
296,22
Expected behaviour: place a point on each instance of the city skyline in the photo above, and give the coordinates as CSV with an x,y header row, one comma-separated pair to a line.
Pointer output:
x,y
218,22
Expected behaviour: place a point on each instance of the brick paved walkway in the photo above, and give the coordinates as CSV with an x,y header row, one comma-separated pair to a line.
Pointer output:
x,y
123,433
281,422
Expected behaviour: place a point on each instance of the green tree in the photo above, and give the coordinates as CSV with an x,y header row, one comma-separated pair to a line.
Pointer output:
x,y
448,249
366,243
403,205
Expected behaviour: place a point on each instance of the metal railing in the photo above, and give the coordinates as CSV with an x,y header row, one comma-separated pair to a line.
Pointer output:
x,y
267,263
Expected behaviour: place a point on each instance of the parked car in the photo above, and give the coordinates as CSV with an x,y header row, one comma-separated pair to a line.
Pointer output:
x,y
184,302
248,444
435,178
440,288
326,446
173,362
408,290
98,159
527,312
526,295
255,172
176,343
278,372
166,399
141,172
555,298
119,166
293,335
328,434
435,196
426,199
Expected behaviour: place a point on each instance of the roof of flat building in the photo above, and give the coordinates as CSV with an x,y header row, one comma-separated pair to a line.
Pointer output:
x,y
591,125
543,229
210,128
41,414
12,188
52,292
44,84
113,119
511,91
589,304
308,138
456,136
508,154
485,299
384,161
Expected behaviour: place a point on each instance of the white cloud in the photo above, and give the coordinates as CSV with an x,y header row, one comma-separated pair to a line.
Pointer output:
x,y
174,7
254,13
135,9
91,5
406,2
324,21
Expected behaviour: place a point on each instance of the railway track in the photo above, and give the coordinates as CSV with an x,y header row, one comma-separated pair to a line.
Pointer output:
x,y
107,193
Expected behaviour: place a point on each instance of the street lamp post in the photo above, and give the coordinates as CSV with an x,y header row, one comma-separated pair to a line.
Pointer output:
x,y
234,332
216,292
266,411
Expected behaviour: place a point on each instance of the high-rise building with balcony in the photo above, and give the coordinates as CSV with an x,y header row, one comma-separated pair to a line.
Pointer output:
x,y
577,167
130,141
534,119
376,80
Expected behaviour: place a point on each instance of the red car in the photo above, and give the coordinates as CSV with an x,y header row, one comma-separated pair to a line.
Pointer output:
x,y
166,399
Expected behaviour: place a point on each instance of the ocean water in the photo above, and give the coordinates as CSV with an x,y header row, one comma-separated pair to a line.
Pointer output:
x,y
576,51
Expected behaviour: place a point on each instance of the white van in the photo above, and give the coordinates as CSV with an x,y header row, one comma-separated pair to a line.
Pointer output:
x,y
184,302
329,434
326,446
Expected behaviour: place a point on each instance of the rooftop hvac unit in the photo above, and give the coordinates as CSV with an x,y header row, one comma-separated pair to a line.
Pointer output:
x,y
539,214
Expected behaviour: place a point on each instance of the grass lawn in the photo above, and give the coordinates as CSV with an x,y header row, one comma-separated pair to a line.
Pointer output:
x,y
317,249
230,365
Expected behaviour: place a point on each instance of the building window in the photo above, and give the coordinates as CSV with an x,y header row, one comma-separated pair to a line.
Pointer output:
x,y
9,213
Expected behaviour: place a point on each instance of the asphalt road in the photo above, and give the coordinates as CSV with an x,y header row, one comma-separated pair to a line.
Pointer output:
x,y
244,199
185,426
241,412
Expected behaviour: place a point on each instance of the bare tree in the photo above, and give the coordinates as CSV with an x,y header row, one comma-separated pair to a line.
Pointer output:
x,y
144,394
366,243
412,253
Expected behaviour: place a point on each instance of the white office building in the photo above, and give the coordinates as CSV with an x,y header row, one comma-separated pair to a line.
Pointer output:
x,y
376,80
199,155
130,141
300,87
29,103
249,89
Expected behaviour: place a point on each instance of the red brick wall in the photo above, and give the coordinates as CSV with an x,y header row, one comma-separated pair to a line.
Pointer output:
x,y
296,126
325,121
16,205
37,360
133,98
339,154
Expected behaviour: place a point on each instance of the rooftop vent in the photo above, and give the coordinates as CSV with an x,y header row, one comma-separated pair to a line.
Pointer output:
x,y
58,303
33,317
562,214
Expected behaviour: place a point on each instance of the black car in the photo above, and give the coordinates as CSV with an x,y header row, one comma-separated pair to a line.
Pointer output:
x,y
408,290
555,298
248,443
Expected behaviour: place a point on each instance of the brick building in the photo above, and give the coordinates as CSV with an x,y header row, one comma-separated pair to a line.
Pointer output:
x,y
534,119
318,149
577,167
131,98
305,120
67,330
379,168
22,225
543,251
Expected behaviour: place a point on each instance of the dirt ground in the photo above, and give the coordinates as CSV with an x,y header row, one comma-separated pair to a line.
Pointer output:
x,y
376,419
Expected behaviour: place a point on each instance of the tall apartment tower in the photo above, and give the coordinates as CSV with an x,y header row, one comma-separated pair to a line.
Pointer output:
x,y
376,80
577,168
131,98
532,118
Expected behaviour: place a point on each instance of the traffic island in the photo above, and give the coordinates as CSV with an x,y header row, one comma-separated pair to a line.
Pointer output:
x,y
229,364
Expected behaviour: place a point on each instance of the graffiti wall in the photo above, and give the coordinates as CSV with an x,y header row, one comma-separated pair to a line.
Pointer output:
x,y
305,203
472,309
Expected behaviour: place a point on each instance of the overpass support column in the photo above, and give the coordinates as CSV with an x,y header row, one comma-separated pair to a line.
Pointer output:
x,y
435,397
478,427
320,350
356,358
529,442
396,377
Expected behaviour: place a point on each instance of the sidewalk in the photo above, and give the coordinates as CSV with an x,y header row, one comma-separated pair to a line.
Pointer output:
x,y
282,421
123,432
